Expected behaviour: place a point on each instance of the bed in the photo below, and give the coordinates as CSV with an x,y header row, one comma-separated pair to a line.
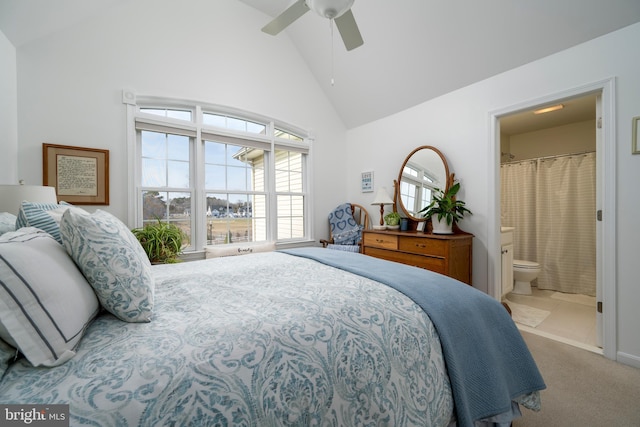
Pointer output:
x,y
297,337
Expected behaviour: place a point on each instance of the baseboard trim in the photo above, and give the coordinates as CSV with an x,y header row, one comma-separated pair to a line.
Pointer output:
x,y
628,359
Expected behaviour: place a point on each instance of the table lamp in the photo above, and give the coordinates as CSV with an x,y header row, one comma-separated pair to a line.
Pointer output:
x,y
382,198
11,196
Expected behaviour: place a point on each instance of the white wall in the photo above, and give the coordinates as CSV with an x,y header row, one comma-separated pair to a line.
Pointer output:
x,y
8,113
70,84
567,139
458,123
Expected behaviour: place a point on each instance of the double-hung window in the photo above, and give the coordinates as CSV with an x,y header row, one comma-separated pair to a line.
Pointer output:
x,y
222,177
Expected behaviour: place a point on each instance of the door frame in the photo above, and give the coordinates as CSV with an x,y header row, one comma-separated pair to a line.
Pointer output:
x,y
606,162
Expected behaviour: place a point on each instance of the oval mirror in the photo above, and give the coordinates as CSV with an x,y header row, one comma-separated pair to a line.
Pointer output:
x,y
424,170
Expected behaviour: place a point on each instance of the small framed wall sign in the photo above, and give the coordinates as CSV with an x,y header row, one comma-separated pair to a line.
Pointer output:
x,y
367,182
80,175
635,132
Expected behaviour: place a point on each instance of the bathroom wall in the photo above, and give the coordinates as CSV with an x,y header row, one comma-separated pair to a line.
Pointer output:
x,y
567,139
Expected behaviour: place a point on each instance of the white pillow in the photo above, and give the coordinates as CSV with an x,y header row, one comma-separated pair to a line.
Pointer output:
x,y
45,302
112,260
233,250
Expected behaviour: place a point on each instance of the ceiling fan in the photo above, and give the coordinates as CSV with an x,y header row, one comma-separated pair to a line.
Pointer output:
x,y
337,10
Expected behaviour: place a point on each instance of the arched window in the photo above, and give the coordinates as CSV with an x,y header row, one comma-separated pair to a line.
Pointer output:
x,y
224,176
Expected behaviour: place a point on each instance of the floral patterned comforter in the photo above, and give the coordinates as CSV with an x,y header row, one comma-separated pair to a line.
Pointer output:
x,y
266,339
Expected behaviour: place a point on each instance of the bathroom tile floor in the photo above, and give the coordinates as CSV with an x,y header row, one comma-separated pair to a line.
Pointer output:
x,y
570,322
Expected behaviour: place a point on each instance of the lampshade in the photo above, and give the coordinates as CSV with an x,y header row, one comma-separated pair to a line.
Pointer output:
x,y
382,197
330,9
12,196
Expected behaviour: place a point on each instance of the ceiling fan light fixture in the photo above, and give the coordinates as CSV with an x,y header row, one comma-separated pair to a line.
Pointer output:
x,y
330,9
337,11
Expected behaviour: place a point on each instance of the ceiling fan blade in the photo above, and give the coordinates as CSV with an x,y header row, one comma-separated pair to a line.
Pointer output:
x,y
349,30
286,18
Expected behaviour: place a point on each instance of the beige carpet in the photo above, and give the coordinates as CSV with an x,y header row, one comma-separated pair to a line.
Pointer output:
x,y
528,316
583,388
575,298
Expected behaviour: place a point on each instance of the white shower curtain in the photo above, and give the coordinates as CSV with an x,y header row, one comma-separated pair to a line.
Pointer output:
x,y
551,204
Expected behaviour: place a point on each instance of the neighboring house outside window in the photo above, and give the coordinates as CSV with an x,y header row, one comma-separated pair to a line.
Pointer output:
x,y
223,177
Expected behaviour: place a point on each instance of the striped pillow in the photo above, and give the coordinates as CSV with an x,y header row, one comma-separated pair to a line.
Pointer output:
x,y
45,216
45,301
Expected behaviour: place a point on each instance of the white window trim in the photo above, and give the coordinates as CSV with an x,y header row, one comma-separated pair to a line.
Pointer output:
x,y
134,115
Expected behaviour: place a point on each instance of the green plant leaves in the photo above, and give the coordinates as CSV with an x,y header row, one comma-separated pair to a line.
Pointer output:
x,y
392,218
162,242
445,205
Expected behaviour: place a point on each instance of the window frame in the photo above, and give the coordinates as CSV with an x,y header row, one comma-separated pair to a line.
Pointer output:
x,y
295,139
419,184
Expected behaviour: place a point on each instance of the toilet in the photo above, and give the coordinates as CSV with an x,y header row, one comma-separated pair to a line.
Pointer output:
x,y
523,273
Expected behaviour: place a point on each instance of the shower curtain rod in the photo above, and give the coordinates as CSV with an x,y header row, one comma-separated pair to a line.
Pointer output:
x,y
548,157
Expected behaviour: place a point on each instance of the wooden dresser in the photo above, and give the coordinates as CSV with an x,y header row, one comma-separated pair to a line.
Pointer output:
x,y
448,254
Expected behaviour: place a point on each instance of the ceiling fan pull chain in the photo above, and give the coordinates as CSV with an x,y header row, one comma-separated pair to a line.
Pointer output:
x,y
332,56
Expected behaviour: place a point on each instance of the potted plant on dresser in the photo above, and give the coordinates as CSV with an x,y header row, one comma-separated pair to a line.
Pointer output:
x,y
392,219
445,209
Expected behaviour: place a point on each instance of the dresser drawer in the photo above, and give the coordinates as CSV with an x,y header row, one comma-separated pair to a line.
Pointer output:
x,y
384,241
439,265
434,264
389,255
419,245
445,254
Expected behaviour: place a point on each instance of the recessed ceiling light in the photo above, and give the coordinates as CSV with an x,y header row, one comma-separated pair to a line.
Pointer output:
x,y
549,109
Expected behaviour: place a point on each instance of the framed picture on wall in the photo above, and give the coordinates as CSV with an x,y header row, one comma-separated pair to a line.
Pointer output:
x,y
80,175
635,131
367,182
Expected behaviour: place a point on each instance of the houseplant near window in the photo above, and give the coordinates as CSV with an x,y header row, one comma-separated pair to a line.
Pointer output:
x,y
162,241
445,209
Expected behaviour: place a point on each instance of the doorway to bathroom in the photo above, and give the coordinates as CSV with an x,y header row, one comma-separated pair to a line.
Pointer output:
x,y
559,307
548,200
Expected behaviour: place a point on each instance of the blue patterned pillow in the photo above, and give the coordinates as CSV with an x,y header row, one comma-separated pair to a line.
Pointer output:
x,y
45,216
112,260
344,228
6,354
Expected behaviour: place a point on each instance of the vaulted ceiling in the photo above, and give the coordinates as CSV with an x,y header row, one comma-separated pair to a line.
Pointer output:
x,y
414,50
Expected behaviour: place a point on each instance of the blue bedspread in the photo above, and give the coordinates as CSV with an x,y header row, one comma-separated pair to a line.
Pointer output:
x,y
488,362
